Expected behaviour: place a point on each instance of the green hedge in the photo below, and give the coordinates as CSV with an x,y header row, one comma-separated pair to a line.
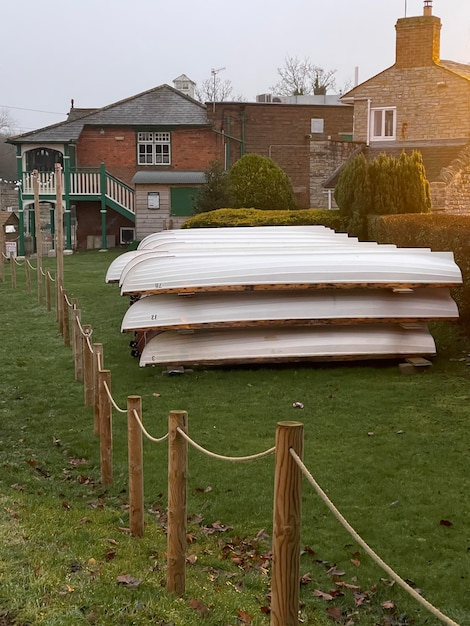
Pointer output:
x,y
440,232
257,217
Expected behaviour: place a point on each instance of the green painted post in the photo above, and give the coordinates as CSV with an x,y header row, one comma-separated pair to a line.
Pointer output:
x,y
104,243
52,219
68,222
19,169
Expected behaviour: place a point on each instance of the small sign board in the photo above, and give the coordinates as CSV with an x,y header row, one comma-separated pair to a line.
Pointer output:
x,y
10,249
153,200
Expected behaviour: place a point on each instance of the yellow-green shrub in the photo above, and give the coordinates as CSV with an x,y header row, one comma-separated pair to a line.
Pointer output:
x,y
440,232
257,217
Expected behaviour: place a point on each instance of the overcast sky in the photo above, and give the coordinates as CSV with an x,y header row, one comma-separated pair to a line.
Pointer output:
x,y
101,51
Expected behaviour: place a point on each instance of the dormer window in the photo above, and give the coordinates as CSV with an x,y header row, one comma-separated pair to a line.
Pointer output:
x,y
154,148
383,124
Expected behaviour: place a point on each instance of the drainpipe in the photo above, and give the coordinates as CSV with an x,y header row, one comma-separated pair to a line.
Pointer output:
x,y
228,147
68,225
242,144
19,170
104,242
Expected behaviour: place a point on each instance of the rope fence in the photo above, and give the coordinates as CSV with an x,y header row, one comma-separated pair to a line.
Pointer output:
x,y
288,474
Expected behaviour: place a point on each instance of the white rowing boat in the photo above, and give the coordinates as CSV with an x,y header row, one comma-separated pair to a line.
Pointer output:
x,y
345,268
277,345
118,264
263,308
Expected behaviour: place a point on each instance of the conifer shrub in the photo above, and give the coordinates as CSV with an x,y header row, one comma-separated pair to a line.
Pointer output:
x,y
215,193
382,186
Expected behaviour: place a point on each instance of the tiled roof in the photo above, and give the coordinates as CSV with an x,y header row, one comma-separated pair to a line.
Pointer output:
x,y
462,69
168,177
160,106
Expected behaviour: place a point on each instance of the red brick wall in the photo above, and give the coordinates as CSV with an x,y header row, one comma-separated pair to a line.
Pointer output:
x,y
283,133
89,222
191,149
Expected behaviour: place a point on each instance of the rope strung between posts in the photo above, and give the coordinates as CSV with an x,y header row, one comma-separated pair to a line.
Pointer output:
x,y
111,399
88,342
43,272
15,260
234,459
375,557
84,333
30,265
67,301
142,428
50,276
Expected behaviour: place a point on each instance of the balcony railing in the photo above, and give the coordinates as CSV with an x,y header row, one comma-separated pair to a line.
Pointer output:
x,y
83,184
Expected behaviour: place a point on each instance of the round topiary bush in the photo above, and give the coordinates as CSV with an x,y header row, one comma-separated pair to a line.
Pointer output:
x,y
257,181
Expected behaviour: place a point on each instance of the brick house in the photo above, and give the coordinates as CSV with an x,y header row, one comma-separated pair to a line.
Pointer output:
x,y
160,133
421,102
133,167
307,136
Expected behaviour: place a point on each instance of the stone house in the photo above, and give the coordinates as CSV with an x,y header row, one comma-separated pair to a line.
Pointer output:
x,y
421,102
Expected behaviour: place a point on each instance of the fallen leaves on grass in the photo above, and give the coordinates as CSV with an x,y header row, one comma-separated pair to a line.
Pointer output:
x,y
199,607
128,581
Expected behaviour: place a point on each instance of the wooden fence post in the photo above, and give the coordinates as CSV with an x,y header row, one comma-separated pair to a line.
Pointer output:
x,y
48,291
136,471
177,479
106,433
97,365
2,267
285,576
28,276
65,319
87,365
13,271
78,343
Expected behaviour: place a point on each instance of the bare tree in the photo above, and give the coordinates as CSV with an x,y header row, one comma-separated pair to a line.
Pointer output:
x,y
302,77
6,122
214,89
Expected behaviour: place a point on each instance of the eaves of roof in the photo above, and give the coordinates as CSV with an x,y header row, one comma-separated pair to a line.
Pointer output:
x,y
154,177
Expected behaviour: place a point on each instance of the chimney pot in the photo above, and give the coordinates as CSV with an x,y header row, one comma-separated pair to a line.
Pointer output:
x,y
427,7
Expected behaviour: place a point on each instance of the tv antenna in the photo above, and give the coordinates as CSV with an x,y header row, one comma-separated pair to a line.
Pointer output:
x,y
214,73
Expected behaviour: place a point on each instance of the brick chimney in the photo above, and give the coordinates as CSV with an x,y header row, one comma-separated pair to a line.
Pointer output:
x,y
418,39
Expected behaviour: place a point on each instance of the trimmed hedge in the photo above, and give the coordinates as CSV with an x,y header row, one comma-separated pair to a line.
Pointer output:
x,y
257,217
440,232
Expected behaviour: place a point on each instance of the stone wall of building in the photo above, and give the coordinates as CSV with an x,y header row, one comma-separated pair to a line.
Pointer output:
x,y
325,158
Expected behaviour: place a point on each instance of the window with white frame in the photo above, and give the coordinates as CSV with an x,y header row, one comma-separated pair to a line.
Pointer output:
x,y
383,123
154,148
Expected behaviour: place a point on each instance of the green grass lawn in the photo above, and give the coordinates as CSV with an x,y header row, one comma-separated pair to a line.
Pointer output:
x,y
391,451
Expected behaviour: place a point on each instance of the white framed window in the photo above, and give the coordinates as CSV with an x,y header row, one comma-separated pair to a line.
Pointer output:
x,y
383,124
126,235
154,148
317,125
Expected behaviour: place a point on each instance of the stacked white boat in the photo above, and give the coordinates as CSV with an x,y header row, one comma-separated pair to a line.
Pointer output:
x,y
278,294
